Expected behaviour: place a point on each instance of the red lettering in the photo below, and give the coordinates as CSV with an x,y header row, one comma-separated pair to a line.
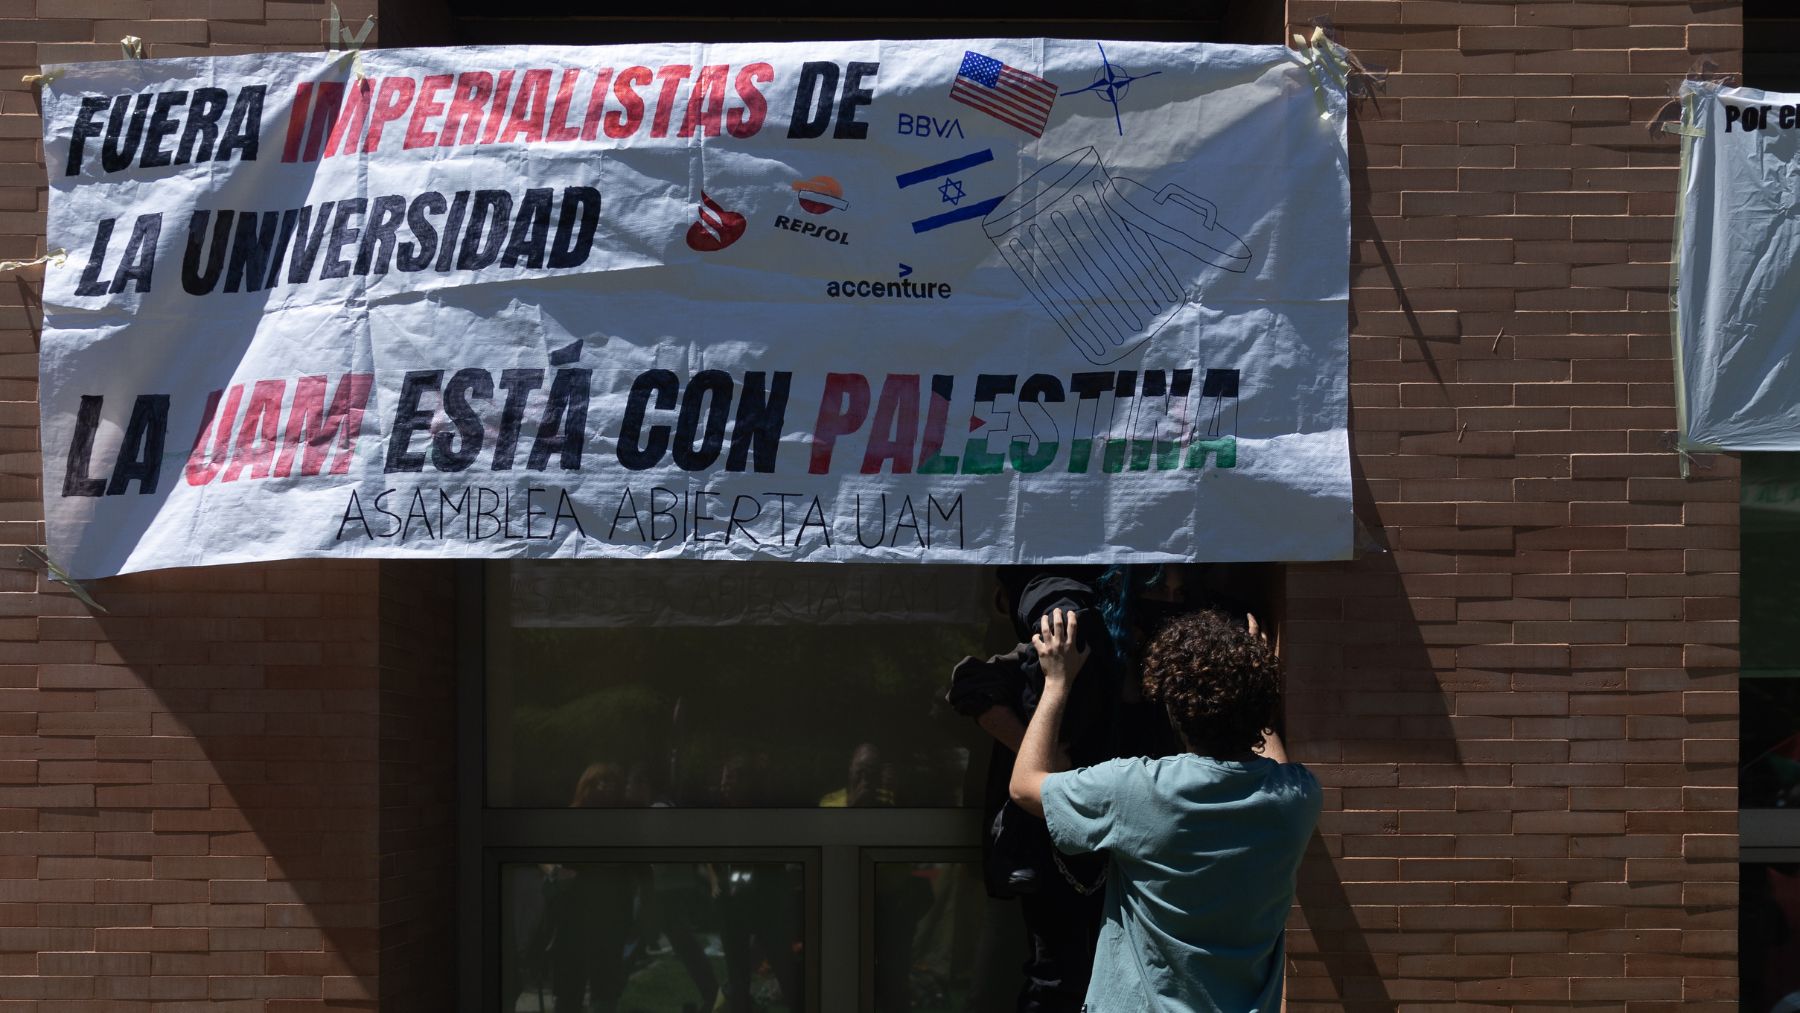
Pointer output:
x,y
416,134
706,103
466,103
202,465
842,410
502,88
527,120
255,444
349,122
390,104
590,125
558,128
310,426
747,121
624,126
672,76
896,426
296,131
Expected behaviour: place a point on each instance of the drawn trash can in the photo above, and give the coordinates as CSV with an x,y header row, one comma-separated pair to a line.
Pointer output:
x,y
1092,248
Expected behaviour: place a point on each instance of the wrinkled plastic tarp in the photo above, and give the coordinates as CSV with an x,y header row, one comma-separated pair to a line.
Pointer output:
x,y
1004,300
1737,304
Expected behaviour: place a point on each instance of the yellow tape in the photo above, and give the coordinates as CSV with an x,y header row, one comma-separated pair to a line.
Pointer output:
x,y
54,258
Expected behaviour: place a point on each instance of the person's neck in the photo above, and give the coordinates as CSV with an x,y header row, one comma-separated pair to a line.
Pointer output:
x,y
1223,755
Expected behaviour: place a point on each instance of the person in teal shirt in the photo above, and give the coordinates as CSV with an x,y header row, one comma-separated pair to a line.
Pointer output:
x,y
1202,846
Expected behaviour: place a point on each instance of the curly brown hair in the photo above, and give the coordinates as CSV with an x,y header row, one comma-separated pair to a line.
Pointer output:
x,y
1220,684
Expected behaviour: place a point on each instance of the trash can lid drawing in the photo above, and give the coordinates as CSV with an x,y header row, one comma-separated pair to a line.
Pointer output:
x,y
1173,215
1181,218
1041,190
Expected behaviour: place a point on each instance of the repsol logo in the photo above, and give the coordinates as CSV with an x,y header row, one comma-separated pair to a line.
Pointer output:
x,y
866,289
813,229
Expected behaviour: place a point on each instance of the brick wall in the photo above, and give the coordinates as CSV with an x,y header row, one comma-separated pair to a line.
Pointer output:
x,y
209,795
1525,710
232,790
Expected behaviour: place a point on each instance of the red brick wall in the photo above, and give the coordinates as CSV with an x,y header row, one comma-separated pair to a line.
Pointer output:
x,y
1525,711
232,791
196,805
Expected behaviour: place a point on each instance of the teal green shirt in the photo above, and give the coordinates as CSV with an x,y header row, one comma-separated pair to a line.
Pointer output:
x,y
1203,855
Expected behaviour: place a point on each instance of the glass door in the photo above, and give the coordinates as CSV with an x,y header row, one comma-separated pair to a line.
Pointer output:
x,y
730,787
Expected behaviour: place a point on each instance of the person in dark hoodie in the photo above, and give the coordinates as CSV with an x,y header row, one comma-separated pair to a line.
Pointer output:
x,y
1061,896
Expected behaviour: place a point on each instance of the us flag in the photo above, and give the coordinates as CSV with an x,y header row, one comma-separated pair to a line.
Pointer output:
x,y
1008,94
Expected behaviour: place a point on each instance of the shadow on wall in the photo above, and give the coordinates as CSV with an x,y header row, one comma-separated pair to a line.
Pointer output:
x,y
260,752
1366,705
1366,711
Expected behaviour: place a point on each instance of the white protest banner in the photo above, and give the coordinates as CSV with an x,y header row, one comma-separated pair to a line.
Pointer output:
x,y
1737,311
1002,300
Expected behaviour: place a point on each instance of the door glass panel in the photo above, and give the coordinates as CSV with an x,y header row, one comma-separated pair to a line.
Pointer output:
x,y
940,944
669,682
653,937
1769,775
1769,936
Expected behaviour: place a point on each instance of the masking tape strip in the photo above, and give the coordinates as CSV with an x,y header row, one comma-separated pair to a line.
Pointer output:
x,y
54,258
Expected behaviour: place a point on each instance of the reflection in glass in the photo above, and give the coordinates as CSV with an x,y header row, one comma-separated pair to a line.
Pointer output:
x,y
1769,771
941,945
653,937
1769,753
736,684
1769,937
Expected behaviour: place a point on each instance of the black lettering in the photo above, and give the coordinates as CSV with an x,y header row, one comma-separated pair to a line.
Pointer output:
x,y
120,145
250,248
245,128
201,129
812,99
312,234
737,522
410,257
855,94
289,218
161,126
487,230
139,261
518,384
563,431
84,128
342,235
448,453
710,387
760,415
636,451
575,227
81,450
354,508
141,455
459,206
378,239
90,283
531,230
409,418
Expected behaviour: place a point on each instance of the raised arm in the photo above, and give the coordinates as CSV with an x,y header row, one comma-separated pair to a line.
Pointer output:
x,y
1272,746
1061,662
1005,726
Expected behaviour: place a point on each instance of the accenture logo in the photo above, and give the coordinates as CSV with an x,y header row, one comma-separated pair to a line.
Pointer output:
x,y
904,288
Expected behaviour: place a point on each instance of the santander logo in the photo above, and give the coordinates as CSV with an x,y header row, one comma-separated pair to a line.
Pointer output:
x,y
717,227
